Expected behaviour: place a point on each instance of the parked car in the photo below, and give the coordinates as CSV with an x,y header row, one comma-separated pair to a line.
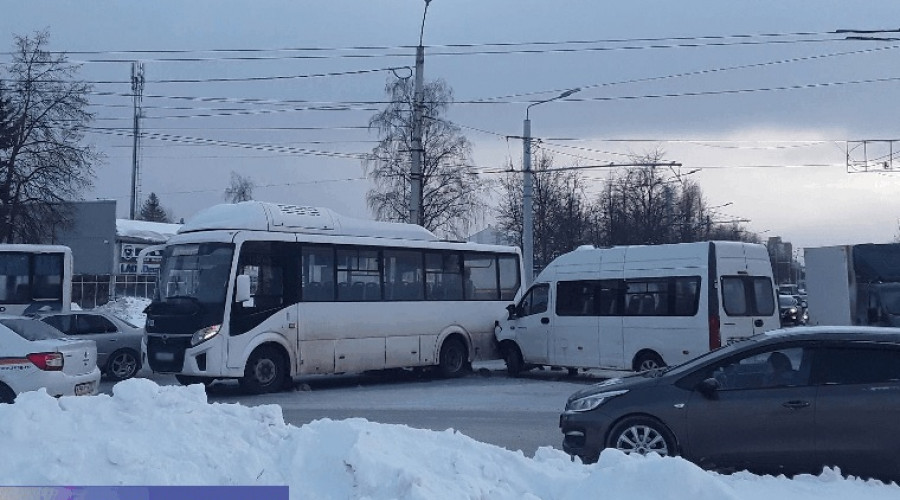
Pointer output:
x,y
790,310
35,355
786,402
118,341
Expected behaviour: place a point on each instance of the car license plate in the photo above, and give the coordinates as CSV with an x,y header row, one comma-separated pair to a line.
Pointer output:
x,y
165,356
84,389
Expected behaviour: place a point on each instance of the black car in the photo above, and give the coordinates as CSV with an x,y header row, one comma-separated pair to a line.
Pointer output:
x,y
790,310
786,402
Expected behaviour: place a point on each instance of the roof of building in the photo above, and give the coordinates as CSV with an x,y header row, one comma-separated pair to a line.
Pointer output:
x,y
145,231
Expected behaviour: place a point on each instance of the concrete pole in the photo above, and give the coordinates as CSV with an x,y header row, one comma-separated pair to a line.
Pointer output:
x,y
415,171
416,201
527,188
527,204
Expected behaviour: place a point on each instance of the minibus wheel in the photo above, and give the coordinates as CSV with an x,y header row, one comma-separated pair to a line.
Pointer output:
x,y
648,360
513,357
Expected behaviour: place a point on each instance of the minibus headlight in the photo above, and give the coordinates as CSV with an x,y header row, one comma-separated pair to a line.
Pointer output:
x,y
204,334
588,403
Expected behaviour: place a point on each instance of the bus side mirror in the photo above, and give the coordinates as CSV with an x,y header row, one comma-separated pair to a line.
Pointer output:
x,y
242,290
511,310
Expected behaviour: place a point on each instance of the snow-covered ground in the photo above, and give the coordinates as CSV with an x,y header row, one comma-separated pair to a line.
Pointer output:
x,y
147,434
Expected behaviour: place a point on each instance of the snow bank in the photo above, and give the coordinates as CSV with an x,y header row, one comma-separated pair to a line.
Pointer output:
x,y
146,434
131,309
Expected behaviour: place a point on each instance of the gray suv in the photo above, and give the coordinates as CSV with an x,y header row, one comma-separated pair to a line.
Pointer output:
x,y
786,402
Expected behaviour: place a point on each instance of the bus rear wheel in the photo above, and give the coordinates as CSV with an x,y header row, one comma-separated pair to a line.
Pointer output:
x,y
453,358
265,371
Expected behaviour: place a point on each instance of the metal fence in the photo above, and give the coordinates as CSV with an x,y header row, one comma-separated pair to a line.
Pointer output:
x,y
92,290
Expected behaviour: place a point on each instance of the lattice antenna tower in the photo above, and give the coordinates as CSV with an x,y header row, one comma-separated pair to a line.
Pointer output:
x,y
137,91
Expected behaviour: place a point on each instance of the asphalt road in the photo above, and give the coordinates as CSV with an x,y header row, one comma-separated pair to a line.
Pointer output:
x,y
515,413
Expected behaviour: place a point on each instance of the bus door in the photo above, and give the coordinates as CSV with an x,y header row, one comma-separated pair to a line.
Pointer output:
x,y
273,268
532,324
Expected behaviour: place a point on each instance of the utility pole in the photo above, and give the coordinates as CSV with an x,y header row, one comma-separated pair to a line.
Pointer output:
x,y
137,90
416,208
527,189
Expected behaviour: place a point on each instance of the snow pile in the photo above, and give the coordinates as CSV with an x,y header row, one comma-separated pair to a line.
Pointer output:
x,y
131,309
146,434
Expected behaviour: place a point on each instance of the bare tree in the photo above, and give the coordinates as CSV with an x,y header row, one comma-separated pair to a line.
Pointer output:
x,y
562,215
241,188
44,164
656,204
7,121
452,193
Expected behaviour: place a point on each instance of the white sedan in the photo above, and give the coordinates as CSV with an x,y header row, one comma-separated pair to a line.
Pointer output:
x,y
34,355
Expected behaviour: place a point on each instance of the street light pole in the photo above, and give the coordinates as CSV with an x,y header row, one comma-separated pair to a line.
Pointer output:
x,y
416,209
527,190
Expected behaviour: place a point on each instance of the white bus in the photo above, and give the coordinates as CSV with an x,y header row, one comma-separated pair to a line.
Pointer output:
x,y
263,292
640,307
35,278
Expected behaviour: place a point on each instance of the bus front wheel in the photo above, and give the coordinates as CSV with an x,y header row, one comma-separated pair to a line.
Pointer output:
x,y
453,358
265,371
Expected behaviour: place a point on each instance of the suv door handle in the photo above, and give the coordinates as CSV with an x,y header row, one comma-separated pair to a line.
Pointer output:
x,y
795,405
545,320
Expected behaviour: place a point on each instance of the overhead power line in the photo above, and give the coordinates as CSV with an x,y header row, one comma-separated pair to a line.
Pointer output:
x,y
233,144
702,72
540,47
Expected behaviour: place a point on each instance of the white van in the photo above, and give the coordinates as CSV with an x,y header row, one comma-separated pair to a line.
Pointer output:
x,y
639,307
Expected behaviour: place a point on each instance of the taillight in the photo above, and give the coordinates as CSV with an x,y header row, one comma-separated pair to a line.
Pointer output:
x,y
715,334
47,361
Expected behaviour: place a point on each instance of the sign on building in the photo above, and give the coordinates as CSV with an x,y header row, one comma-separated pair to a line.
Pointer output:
x,y
128,257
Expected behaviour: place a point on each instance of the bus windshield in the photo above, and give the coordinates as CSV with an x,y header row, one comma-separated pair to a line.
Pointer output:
x,y
196,273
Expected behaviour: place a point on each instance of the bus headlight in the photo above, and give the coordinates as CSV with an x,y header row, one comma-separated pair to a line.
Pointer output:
x,y
588,403
202,335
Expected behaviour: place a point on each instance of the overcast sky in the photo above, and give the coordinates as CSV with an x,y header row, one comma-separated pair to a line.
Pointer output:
x,y
762,97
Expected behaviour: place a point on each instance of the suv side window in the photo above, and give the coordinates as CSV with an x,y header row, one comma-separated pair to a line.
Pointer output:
x,y
873,364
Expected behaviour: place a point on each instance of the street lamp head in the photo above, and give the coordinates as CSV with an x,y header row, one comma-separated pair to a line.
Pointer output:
x,y
568,93
563,95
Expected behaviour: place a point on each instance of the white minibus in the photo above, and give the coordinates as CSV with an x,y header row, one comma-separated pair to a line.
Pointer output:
x,y
639,307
